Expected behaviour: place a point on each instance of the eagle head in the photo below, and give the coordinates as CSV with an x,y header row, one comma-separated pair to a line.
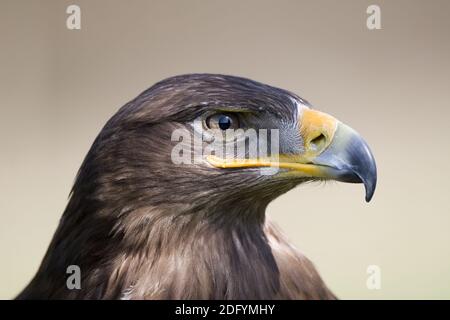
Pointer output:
x,y
170,200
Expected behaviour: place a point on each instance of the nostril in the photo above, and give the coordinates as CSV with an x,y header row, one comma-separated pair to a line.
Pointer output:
x,y
318,143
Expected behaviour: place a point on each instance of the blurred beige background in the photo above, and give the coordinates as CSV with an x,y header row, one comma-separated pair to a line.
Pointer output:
x,y
58,88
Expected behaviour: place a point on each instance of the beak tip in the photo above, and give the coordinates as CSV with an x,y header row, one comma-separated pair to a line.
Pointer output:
x,y
369,196
370,188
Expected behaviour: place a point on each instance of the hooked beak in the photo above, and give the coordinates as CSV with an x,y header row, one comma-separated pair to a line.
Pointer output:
x,y
348,159
331,150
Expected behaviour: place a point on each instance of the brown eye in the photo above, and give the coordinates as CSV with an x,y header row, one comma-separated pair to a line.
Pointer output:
x,y
222,121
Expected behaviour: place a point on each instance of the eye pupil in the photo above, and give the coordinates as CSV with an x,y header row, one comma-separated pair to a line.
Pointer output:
x,y
224,122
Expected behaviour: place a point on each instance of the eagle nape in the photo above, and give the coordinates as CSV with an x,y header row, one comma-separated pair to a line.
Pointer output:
x,y
150,216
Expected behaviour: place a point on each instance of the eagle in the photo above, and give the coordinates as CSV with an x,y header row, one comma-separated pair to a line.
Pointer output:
x,y
140,225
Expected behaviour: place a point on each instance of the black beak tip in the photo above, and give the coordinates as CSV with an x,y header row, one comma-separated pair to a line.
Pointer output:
x,y
370,182
370,190
364,167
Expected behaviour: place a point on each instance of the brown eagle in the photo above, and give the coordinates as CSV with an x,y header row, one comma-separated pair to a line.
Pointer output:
x,y
140,226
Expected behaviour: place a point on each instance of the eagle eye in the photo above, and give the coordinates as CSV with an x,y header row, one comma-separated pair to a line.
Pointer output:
x,y
222,121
